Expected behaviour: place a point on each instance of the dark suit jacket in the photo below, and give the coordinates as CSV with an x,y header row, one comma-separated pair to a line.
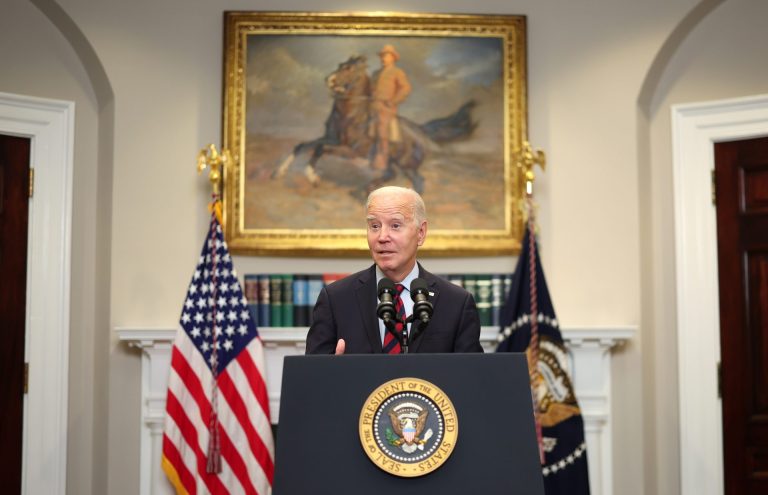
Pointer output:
x,y
346,309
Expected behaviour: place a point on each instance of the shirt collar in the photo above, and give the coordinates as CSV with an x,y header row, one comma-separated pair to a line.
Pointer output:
x,y
406,281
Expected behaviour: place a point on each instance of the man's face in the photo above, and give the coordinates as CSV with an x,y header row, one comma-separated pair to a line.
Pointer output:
x,y
393,237
387,59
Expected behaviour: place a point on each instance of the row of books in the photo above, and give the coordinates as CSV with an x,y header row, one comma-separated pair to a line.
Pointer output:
x,y
490,291
286,300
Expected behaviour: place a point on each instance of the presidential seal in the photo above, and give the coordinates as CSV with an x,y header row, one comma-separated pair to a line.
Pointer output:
x,y
408,427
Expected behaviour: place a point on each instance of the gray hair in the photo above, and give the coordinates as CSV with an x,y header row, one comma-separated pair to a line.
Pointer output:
x,y
418,207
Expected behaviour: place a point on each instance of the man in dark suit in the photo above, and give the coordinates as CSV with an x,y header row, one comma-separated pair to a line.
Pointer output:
x,y
344,318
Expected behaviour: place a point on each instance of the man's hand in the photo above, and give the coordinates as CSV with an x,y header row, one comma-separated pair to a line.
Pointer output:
x,y
340,347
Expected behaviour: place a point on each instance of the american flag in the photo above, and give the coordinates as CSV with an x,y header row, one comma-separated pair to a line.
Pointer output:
x,y
217,385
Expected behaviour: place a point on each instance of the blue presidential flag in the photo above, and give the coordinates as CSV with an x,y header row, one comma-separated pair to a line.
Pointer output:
x,y
560,426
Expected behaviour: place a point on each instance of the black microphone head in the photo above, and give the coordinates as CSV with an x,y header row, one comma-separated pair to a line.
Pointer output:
x,y
418,285
385,285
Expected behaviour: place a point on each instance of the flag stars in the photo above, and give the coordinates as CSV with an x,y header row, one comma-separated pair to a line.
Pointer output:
x,y
230,330
205,346
195,333
192,289
233,301
245,315
201,303
198,318
196,275
224,287
219,317
243,330
189,304
232,316
185,318
221,301
228,345
207,332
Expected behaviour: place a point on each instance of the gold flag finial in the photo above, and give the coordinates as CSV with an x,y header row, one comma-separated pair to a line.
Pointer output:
x,y
526,160
211,158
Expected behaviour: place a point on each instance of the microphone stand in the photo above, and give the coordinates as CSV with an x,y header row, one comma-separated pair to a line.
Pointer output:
x,y
415,331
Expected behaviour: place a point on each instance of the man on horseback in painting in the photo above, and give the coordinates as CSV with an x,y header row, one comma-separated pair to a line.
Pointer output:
x,y
390,88
364,126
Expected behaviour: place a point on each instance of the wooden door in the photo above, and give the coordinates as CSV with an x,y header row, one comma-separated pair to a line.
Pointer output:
x,y
741,179
14,209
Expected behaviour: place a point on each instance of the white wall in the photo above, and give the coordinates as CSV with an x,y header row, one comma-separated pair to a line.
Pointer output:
x,y
721,58
605,200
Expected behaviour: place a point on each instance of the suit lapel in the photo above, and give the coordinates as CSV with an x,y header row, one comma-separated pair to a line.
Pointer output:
x,y
366,302
432,297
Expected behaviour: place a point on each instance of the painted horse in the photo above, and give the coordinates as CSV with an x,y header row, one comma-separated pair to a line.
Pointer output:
x,y
348,131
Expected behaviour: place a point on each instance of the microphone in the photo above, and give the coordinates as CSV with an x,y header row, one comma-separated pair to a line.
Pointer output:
x,y
386,308
422,308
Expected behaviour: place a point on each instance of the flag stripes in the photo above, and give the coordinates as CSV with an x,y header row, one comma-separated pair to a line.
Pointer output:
x,y
249,461
217,373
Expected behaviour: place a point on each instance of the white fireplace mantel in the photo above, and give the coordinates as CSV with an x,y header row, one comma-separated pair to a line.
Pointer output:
x,y
590,358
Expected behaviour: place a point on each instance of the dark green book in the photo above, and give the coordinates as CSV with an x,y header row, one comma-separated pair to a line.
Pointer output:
x,y
470,284
276,299
456,279
497,298
287,300
484,299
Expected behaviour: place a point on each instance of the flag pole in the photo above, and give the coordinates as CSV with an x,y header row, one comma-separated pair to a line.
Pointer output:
x,y
527,159
209,157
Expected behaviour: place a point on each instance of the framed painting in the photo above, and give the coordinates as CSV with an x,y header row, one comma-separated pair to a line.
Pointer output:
x,y
321,108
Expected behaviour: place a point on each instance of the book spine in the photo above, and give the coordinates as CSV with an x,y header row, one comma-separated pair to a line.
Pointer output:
x,y
264,301
300,301
314,286
456,279
497,298
276,300
470,284
287,280
329,278
251,288
507,285
484,299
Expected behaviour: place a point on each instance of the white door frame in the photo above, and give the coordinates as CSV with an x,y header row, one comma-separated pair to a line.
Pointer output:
x,y
50,124
695,129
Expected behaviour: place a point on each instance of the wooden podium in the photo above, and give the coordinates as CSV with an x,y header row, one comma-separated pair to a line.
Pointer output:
x,y
330,405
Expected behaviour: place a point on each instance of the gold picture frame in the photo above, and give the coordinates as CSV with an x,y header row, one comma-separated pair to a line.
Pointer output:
x,y
300,171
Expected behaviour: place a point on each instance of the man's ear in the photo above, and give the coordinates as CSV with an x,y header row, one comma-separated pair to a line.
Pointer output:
x,y
421,235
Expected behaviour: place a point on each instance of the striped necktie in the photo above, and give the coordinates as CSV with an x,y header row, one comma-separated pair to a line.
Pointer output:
x,y
391,345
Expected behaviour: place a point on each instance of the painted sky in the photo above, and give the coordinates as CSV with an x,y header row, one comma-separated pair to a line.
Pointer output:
x,y
286,73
